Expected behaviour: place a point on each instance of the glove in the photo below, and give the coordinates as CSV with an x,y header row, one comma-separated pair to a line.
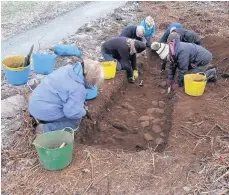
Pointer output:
x,y
170,82
135,74
175,86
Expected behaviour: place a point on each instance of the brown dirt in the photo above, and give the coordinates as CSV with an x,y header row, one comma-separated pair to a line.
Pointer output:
x,y
193,128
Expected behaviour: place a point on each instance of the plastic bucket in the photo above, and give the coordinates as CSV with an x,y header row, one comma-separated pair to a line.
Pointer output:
x,y
109,68
48,148
16,75
194,84
43,63
92,92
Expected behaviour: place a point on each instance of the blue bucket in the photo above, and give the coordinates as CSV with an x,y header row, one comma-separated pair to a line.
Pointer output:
x,y
44,63
16,75
92,92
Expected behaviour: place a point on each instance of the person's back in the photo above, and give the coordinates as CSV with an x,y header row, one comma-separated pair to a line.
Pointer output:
x,y
188,36
48,99
167,31
130,32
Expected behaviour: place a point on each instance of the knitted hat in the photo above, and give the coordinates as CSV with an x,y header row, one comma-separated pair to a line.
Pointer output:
x,y
139,46
161,49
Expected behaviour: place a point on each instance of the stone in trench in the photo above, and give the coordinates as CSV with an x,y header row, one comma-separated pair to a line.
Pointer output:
x,y
161,104
134,113
148,137
163,84
146,118
155,103
119,125
150,111
159,111
125,112
163,91
145,124
128,106
156,121
162,123
162,134
159,141
156,128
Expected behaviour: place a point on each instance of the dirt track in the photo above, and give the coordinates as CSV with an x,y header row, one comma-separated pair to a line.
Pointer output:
x,y
193,129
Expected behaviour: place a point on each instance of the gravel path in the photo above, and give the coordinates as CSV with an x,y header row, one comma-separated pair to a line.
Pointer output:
x,y
18,17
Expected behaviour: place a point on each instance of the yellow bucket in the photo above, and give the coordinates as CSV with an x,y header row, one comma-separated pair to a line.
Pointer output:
x,y
194,84
109,68
13,63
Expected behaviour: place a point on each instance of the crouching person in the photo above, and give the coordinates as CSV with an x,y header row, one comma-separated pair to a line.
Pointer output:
x,y
58,101
124,51
188,58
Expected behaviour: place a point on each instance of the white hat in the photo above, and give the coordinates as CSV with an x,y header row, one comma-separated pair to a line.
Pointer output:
x,y
162,49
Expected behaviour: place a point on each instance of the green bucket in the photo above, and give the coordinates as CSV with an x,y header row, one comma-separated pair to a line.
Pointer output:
x,y
50,152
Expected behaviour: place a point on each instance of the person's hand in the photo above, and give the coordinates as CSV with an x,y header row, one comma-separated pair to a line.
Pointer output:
x,y
170,82
135,74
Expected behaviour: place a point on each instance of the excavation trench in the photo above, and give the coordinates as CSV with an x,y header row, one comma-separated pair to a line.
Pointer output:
x,y
136,117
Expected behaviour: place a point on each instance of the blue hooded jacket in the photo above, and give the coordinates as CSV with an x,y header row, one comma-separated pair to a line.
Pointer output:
x,y
167,31
60,94
149,31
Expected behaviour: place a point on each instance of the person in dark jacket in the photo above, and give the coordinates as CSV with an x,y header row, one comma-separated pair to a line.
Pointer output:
x,y
124,51
185,35
134,32
187,58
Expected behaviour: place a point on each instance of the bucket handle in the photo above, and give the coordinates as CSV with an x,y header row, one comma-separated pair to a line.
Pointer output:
x,y
70,130
202,73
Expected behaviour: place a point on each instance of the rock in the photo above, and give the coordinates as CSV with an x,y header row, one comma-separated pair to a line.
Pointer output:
x,y
145,124
159,141
150,111
156,128
134,113
163,91
161,104
12,105
146,118
155,103
162,123
148,137
162,134
163,84
156,121
159,111
128,106
125,112
86,170
186,189
120,126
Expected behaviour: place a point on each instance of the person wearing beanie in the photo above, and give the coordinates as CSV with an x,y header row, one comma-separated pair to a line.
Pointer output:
x,y
187,58
124,51
58,101
185,35
150,30
134,32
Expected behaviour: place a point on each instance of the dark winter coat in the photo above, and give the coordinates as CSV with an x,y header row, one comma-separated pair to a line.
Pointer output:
x,y
167,31
188,36
130,32
186,56
120,51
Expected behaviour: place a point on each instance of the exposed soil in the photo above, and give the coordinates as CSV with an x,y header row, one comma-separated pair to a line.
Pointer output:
x,y
194,130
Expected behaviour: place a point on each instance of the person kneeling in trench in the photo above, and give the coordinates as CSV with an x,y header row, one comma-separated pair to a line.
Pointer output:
x,y
124,51
188,58
59,100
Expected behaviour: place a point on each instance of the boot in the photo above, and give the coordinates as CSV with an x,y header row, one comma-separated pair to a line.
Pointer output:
x,y
211,75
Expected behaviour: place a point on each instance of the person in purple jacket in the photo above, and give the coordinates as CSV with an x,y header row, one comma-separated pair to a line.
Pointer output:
x,y
59,100
187,58
124,51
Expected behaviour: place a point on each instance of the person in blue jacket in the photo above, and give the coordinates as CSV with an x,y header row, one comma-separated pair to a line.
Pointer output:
x,y
123,50
134,32
150,30
59,100
188,58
